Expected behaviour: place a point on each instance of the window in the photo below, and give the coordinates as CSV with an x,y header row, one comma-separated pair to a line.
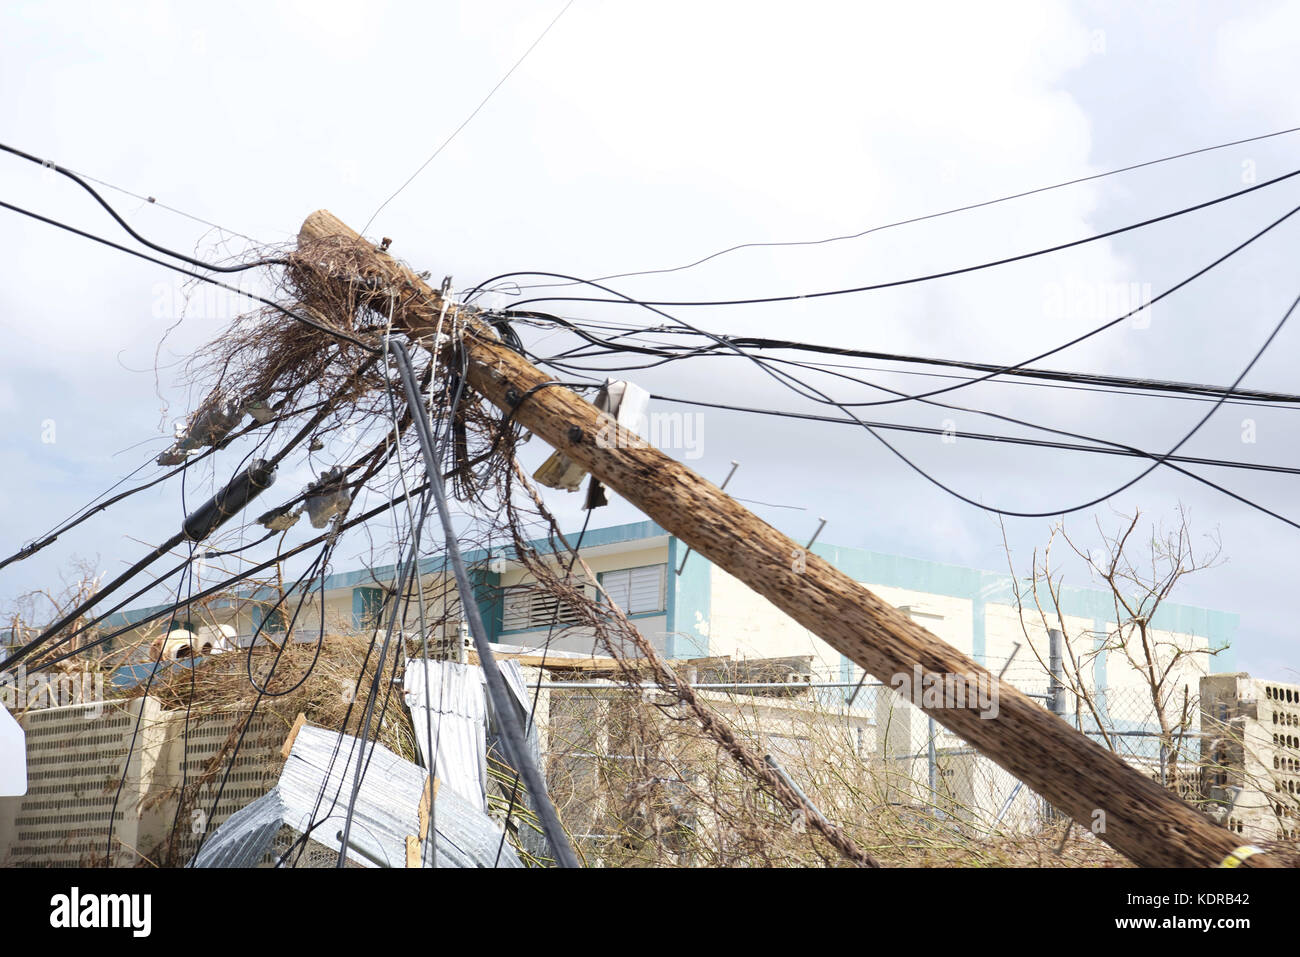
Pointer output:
x,y
527,608
638,591
268,619
367,606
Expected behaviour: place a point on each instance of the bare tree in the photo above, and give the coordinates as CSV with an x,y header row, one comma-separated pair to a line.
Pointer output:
x,y
1140,570
32,612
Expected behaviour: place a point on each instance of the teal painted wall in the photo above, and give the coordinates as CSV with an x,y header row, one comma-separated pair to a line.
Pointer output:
x,y
688,603
688,594
489,598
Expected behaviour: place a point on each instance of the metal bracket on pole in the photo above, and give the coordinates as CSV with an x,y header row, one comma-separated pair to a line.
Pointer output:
x,y
734,465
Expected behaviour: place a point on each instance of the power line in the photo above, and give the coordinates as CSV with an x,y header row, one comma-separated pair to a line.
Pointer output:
x,y
94,506
63,171
1197,389
652,307
829,368
1095,382
1112,447
980,436
154,201
233,579
466,121
894,283
336,333
1157,460
937,215
511,731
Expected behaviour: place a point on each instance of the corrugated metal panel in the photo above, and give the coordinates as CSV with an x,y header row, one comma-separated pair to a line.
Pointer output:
x,y
448,701
386,811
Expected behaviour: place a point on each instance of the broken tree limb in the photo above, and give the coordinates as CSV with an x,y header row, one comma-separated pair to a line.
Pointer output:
x,y
1137,816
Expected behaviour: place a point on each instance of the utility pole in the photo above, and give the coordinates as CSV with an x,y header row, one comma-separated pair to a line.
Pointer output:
x,y
1127,810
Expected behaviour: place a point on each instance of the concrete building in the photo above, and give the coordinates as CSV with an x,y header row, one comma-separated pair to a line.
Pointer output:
x,y
704,612
1251,754
704,616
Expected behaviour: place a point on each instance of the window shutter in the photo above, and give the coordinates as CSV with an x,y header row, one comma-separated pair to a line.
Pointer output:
x,y
514,613
636,590
645,589
616,586
529,608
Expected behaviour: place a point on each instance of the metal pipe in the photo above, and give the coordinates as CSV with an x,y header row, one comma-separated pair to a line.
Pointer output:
x,y
789,782
512,731
362,851
1056,668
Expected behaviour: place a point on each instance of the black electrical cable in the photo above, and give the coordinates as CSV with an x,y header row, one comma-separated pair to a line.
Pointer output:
x,y
895,283
1195,389
982,436
94,506
560,361
512,733
1001,371
947,212
188,577
135,732
364,762
403,573
49,164
321,559
1114,448
336,333
1158,460
1085,378
232,580
199,525
218,514
323,410
433,739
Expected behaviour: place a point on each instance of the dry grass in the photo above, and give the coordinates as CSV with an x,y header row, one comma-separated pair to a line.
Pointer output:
x,y
332,695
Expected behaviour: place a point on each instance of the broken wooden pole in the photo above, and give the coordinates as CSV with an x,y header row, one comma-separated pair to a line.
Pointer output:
x,y
1128,810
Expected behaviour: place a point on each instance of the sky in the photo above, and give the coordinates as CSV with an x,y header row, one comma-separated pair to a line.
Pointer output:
x,y
646,136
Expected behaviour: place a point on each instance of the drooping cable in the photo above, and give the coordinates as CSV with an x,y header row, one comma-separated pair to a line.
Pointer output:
x,y
936,215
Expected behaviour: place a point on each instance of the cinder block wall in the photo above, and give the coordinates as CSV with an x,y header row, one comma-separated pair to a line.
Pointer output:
x,y
76,761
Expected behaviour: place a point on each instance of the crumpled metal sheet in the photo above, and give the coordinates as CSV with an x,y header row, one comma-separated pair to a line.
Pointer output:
x,y
449,701
386,811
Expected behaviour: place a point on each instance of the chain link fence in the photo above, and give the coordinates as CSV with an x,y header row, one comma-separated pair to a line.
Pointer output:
x,y
638,783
